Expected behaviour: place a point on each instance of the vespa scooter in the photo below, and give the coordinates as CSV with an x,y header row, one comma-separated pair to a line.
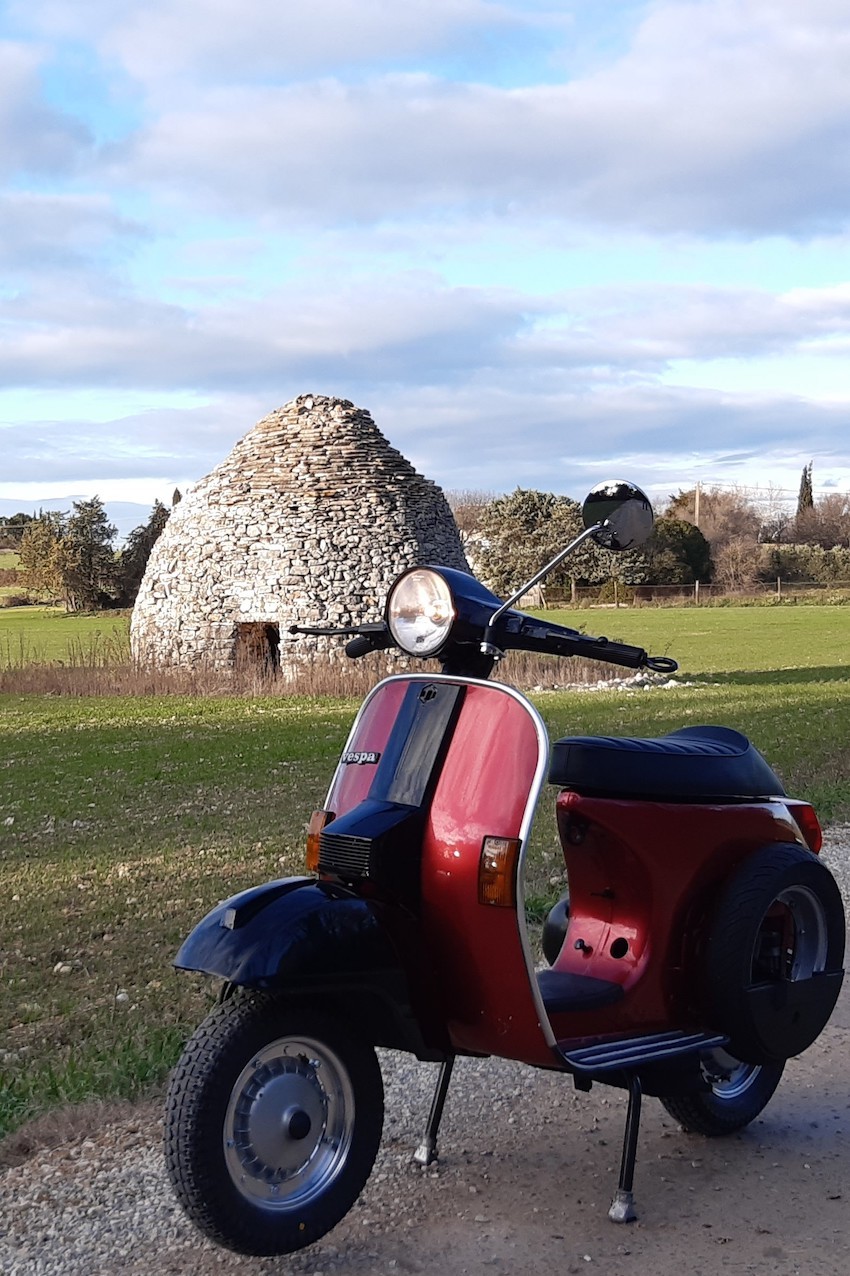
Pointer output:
x,y
702,945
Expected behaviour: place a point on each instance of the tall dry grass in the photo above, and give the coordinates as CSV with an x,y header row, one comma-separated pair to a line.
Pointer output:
x,y
105,668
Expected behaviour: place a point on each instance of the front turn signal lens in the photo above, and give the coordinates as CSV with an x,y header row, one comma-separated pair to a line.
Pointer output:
x,y
497,871
318,820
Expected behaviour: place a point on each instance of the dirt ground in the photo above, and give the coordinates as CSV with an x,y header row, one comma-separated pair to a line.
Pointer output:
x,y
525,1177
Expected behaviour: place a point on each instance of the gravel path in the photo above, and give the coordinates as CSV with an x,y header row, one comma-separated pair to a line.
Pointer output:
x,y
526,1173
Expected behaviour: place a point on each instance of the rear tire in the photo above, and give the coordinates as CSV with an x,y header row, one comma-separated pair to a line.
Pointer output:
x,y
273,1120
555,929
739,1092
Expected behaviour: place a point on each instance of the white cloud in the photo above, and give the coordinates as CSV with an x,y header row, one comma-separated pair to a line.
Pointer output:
x,y
158,40
34,138
251,129
41,232
409,329
721,117
480,388
484,433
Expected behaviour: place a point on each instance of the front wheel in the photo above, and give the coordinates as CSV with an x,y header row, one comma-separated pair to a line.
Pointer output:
x,y
273,1121
738,1093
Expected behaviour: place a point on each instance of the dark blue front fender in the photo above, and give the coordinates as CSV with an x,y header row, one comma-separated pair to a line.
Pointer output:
x,y
307,939
286,930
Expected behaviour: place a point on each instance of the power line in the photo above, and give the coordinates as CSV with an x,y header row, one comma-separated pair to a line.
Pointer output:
x,y
707,486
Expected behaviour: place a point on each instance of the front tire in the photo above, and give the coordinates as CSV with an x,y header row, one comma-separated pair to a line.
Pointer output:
x,y
738,1093
273,1121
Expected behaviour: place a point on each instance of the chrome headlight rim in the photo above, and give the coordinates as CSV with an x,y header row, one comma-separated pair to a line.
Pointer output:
x,y
421,611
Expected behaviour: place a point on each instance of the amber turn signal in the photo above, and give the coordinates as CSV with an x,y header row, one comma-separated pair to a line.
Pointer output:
x,y
497,871
318,820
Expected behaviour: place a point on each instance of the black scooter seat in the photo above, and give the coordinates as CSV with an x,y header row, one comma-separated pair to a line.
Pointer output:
x,y
694,764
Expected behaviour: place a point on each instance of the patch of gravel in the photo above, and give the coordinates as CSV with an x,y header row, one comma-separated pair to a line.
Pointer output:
x,y
526,1175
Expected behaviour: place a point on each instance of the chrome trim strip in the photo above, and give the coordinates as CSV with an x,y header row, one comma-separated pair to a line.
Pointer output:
x,y
539,780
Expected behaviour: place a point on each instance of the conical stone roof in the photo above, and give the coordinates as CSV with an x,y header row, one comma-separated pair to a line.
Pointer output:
x,y
308,520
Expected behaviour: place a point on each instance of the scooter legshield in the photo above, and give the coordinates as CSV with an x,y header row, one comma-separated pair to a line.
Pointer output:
x,y
461,761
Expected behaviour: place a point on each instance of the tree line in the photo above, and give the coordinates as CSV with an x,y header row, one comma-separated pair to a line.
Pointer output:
x,y
71,557
739,541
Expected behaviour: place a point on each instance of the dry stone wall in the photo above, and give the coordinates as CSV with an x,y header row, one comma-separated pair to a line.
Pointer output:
x,y
308,520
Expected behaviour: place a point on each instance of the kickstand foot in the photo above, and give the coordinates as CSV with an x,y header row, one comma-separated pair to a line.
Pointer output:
x,y
622,1207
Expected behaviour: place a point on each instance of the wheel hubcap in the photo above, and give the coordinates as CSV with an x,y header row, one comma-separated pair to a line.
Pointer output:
x,y
729,1077
288,1123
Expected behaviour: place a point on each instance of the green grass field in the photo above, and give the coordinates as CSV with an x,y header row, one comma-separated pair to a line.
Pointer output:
x,y
45,635
124,819
9,560
725,639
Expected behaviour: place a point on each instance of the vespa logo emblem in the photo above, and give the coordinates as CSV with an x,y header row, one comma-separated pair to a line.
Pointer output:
x,y
427,693
359,759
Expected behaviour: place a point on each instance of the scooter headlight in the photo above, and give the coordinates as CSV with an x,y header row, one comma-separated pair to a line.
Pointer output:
x,y
420,611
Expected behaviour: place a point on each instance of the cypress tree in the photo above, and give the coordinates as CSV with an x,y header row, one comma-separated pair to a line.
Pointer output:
x,y
806,500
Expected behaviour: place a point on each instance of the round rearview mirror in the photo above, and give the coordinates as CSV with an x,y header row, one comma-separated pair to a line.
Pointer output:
x,y
623,511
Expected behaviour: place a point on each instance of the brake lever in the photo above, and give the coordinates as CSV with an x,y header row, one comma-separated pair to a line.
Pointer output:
x,y
347,631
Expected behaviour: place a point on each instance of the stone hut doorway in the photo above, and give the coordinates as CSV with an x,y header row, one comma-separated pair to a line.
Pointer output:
x,y
258,646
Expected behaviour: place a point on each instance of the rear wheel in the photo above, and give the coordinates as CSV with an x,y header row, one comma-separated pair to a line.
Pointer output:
x,y
739,1092
273,1121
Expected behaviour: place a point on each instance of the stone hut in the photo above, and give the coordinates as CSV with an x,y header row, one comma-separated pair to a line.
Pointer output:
x,y
308,520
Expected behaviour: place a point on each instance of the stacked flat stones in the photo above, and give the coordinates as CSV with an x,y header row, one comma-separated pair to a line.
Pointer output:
x,y
308,520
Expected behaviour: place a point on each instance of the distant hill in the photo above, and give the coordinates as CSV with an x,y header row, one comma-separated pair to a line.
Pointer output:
x,y
124,514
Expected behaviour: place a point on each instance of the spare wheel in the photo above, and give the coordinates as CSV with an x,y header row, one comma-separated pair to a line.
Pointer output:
x,y
773,964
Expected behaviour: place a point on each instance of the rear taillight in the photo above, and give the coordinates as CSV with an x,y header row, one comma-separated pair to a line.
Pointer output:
x,y
808,824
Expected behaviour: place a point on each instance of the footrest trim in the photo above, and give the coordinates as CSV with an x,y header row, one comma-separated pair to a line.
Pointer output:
x,y
634,1052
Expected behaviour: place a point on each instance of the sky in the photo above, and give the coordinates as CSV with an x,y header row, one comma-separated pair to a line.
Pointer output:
x,y
544,243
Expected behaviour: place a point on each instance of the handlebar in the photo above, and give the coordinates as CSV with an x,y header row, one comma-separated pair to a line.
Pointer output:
x,y
519,632
527,634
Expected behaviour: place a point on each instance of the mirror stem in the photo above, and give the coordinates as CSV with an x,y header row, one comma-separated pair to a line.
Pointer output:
x,y
487,646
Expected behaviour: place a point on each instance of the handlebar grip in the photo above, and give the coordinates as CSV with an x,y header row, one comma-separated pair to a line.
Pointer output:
x,y
616,653
359,646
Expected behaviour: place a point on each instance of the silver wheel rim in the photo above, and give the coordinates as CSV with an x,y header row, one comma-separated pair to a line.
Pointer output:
x,y
806,956
289,1123
728,1077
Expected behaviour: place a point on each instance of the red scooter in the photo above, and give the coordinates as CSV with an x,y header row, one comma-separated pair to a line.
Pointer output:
x,y
701,947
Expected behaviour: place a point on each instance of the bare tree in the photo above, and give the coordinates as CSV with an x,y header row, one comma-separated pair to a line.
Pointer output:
x,y
468,507
724,514
826,523
777,525
735,563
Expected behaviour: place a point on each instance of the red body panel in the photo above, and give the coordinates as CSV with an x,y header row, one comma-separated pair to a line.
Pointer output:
x,y
351,784
643,879
477,949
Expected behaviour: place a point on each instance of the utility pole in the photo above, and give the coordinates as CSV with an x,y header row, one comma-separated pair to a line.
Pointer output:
x,y
696,504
